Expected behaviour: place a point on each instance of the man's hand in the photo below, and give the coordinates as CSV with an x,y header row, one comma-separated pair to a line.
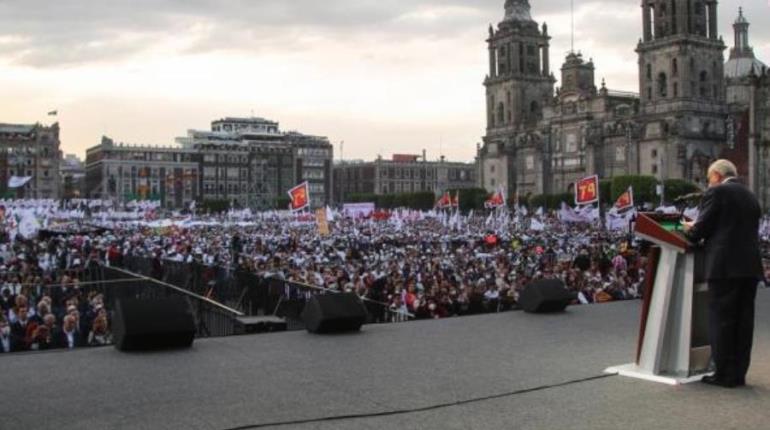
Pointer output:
x,y
687,225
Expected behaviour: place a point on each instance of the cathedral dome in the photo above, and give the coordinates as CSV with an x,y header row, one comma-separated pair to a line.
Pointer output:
x,y
742,67
517,10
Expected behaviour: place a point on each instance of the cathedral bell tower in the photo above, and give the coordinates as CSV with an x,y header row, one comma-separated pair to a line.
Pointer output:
x,y
681,87
518,85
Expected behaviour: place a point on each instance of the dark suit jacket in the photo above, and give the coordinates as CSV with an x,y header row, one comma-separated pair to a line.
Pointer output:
x,y
60,340
729,225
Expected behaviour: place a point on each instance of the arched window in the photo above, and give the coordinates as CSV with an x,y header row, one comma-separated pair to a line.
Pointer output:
x,y
500,113
674,67
662,85
649,71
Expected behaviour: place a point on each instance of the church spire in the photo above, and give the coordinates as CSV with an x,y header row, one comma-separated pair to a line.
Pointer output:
x,y
742,47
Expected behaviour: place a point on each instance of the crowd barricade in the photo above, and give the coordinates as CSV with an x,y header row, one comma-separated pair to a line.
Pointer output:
x,y
254,295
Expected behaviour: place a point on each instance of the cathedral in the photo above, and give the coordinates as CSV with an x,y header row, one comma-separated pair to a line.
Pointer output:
x,y
692,107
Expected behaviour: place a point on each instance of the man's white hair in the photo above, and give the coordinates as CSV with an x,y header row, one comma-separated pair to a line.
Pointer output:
x,y
724,167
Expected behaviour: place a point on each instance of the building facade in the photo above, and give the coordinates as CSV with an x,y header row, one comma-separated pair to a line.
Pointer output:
x,y
747,83
72,174
268,162
313,158
248,162
541,139
124,173
401,174
30,151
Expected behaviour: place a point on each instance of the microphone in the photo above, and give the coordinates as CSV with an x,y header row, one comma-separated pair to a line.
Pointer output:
x,y
689,197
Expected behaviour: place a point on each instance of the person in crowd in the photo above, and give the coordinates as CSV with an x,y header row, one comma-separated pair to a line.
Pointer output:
x,y
7,341
100,334
69,337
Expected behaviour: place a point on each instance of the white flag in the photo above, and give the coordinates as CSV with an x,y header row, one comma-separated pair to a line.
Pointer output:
x,y
29,226
18,181
536,225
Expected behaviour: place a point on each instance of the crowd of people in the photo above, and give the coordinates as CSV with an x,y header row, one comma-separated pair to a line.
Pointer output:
x,y
414,265
42,302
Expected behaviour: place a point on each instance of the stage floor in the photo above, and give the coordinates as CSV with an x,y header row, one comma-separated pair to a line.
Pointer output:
x,y
510,370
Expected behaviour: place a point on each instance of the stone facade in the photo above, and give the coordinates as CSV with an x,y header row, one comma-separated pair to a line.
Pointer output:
x,y
759,137
401,174
674,127
748,101
30,151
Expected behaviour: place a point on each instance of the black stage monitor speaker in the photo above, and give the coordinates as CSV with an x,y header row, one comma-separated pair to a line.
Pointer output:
x,y
334,313
143,325
545,295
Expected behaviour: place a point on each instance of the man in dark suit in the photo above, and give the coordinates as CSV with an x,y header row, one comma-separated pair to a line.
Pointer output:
x,y
729,225
68,337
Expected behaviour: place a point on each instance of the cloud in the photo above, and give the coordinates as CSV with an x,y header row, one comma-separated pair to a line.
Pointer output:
x,y
72,32
365,71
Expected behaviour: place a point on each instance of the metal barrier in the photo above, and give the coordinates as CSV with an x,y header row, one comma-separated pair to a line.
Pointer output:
x,y
244,291
212,319
255,295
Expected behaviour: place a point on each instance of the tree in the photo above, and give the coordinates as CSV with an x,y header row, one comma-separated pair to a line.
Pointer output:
x,y
644,188
471,198
282,202
215,206
675,188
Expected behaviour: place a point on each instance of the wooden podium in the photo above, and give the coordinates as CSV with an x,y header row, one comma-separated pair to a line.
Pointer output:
x,y
673,345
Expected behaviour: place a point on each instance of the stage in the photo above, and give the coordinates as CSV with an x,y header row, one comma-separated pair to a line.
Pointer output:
x,y
510,370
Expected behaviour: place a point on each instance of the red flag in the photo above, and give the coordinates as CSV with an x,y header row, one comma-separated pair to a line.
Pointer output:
x,y
300,197
587,191
626,200
496,200
445,201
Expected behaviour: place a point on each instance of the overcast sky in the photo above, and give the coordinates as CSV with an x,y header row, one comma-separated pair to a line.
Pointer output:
x,y
383,76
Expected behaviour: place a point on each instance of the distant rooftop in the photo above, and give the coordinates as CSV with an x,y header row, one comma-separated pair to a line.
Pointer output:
x,y
243,120
108,142
16,128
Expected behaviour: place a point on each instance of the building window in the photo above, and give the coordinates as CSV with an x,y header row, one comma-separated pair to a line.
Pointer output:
x,y
674,67
492,168
662,85
703,85
676,89
649,71
620,154
654,169
572,144
654,153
